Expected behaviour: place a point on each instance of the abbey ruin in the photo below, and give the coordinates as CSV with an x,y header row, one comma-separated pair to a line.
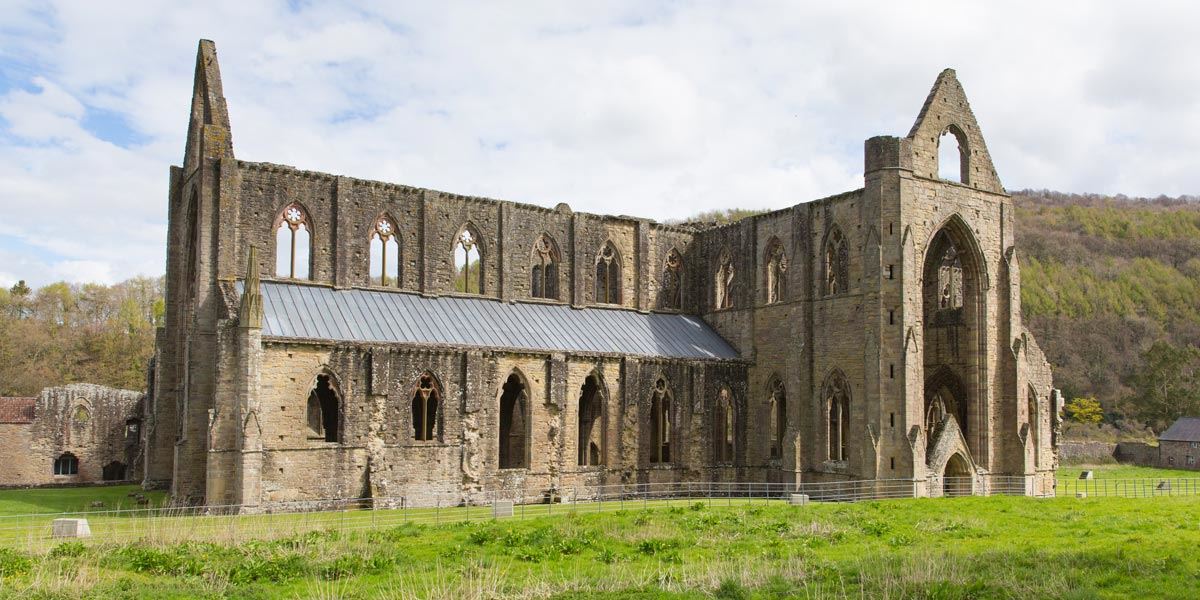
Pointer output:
x,y
330,337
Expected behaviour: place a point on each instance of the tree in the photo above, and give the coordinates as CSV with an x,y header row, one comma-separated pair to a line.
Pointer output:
x,y
1084,410
1168,386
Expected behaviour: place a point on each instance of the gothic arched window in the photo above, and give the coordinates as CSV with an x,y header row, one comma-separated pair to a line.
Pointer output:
x,y
608,275
426,404
724,281
671,294
514,424
661,423
837,263
723,433
293,243
592,428
544,272
468,261
385,253
324,410
778,422
837,402
776,267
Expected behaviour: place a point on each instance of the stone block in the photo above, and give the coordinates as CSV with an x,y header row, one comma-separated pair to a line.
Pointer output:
x,y
502,508
1081,494
71,528
1087,475
798,499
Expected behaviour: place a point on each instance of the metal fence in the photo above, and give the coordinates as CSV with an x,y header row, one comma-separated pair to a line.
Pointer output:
x,y
232,524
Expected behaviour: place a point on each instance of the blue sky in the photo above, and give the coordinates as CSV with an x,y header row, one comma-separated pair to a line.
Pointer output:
x,y
653,109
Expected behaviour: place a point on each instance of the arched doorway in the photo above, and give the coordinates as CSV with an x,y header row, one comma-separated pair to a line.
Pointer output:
x,y
952,299
957,479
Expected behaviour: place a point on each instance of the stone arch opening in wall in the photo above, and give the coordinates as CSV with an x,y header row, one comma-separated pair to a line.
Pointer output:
x,y
957,479
608,274
1035,423
778,415
723,281
775,268
544,271
662,422
426,409
952,309
953,155
81,415
515,422
467,256
66,464
836,396
591,449
945,397
113,471
193,243
723,427
671,290
385,261
293,242
324,408
835,263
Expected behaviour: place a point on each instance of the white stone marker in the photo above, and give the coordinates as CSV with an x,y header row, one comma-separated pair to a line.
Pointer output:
x,y
798,499
71,528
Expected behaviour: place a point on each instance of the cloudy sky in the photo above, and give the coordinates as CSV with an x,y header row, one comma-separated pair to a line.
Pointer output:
x,y
653,109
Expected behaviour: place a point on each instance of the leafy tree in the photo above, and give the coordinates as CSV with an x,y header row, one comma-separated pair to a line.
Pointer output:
x,y
1084,410
1168,385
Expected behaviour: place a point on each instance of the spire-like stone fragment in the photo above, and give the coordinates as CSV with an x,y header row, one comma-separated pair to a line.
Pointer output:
x,y
250,313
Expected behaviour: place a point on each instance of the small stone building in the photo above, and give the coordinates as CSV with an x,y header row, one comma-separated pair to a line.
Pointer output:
x,y
1179,445
331,337
74,434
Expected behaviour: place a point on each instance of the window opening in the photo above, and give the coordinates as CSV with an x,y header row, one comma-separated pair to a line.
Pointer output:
x,y
293,237
514,417
468,263
385,253
608,275
425,404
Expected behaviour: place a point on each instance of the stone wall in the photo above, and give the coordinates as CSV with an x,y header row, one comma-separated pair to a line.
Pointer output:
x,y
99,426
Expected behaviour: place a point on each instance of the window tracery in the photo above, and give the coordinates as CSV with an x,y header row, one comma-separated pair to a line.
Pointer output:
x,y
293,243
837,263
608,275
385,253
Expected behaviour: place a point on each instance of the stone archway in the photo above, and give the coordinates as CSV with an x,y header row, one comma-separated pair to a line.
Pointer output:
x,y
957,478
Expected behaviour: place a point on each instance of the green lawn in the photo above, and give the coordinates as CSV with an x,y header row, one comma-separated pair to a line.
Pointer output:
x,y
996,547
57,500
1118,471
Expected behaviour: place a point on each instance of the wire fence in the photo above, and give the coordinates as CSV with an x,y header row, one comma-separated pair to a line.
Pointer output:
x,y
236,523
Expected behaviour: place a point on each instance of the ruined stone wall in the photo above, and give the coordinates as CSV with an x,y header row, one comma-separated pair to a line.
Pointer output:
x,y
98,425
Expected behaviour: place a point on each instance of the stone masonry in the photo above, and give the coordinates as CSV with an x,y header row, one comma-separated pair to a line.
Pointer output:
x,y
878,335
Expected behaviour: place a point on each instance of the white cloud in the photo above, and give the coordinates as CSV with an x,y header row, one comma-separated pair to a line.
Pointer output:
x,y
657,110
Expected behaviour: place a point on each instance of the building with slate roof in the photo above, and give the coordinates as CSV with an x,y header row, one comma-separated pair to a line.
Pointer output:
x,y
330,337
1179,445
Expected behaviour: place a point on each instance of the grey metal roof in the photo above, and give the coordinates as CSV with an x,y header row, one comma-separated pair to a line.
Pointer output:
x,y
359,315
1186,429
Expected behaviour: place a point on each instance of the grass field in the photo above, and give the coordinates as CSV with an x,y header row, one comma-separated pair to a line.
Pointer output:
x,y
995,547
1118,471
57,500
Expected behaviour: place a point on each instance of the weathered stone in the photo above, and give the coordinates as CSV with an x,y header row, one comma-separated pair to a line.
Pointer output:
x,y
70,528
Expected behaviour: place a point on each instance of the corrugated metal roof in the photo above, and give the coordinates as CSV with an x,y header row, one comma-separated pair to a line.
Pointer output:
x,y
1186,429
358,315
16,410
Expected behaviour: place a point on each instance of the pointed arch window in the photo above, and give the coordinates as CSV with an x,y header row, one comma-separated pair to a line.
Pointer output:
x,y
514,424
592,423
293,243
544,271
608,275
837,402
324,410
778,409
81,415
661,423
723,419
671,294
776,266
724,281
468,262
385,253
837,263
66,464
953,155
946,276
193,243
426,410
1035,423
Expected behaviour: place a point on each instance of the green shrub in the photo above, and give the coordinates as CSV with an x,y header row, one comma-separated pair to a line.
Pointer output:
x,y
13,563
68,550
731,589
